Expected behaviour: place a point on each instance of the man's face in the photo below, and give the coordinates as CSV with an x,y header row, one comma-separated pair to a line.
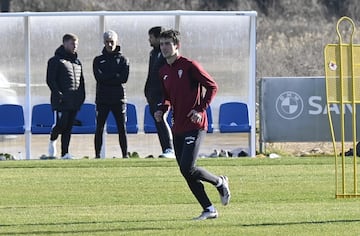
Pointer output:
x,y
154,42
168,48
110,44
71,45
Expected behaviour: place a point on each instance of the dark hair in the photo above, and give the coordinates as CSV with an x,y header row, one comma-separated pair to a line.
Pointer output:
x,y
171,34
70,36
156,30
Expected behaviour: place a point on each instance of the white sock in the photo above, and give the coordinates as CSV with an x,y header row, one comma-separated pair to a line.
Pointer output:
x,y
211,208
220,182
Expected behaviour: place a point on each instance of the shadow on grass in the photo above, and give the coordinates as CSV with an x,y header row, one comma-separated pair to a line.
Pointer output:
x,y
140,229
300,223
104,230
85,231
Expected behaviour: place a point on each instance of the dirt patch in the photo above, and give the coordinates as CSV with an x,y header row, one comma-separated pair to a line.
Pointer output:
x,y
305,148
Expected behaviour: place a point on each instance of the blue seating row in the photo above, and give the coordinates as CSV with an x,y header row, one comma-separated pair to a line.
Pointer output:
x,y
43,119
233,117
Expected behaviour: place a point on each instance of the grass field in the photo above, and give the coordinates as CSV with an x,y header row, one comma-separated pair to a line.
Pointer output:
x,y
287,196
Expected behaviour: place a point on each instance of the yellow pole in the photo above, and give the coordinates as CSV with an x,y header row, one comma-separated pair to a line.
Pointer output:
x,y
342,122
352,99
353,90
342,76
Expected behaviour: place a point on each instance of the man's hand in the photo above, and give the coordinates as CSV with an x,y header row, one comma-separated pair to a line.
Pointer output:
x,y
195,116
158,115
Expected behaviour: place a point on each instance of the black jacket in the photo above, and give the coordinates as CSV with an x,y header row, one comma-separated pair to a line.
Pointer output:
x,y
153,89
111,71
65,79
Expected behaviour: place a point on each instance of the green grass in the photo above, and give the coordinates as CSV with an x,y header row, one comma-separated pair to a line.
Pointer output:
x,y
287,196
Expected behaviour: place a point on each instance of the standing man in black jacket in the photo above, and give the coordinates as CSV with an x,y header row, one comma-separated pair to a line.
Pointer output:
x,y
66,81
154,94
111,71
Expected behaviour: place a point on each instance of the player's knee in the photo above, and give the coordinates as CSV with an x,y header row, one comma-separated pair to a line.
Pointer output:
x,y
187,172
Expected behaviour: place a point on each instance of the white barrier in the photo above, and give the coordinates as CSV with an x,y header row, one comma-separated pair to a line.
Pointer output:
x,y
223,42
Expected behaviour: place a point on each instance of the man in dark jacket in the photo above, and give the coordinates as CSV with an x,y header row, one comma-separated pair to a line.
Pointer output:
x,y
111,71
66,82
154,94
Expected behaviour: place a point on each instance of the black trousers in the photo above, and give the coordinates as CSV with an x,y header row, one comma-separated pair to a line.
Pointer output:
x,y
64,121
186,148
163,128
119,112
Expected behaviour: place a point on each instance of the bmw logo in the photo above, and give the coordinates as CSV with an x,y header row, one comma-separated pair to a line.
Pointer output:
x,y
289,105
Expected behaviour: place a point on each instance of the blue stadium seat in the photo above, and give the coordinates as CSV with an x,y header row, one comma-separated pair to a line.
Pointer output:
x,y
210,120
42,119
149,122
131,122
85,121
233,118
12,119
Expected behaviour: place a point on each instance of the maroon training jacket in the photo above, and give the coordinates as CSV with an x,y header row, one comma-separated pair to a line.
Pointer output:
x,y
182,83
